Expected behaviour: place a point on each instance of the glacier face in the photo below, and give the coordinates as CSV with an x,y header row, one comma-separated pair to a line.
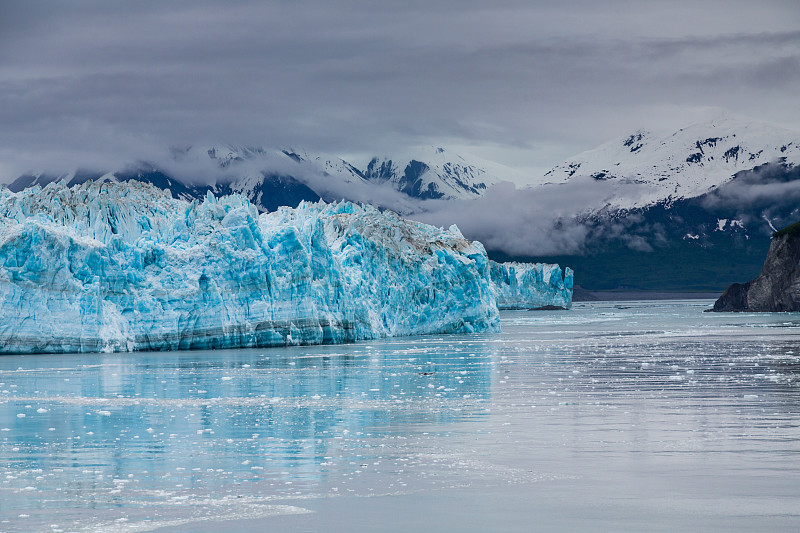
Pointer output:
x,y
531,285
105,266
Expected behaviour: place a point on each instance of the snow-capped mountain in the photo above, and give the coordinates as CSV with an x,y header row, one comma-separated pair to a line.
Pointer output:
x,y
692,209
687,163
274,177
434,174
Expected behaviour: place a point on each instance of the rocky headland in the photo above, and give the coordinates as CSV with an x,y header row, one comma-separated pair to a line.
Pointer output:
x,y
777,287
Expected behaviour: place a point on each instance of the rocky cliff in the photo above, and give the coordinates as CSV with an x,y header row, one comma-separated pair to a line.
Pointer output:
x,y
777,288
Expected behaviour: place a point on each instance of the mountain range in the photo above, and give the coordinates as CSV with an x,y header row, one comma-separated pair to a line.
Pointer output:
x,y
271,178
691,209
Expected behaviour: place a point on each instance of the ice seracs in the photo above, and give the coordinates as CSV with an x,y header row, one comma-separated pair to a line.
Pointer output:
x,y
531,285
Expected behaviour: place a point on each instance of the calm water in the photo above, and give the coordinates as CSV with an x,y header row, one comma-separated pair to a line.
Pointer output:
x,y
635,416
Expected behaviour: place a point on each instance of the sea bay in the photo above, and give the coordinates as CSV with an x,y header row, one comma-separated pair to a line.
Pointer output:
x,y
619,416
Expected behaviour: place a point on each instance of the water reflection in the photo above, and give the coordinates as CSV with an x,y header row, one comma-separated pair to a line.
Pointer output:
x,y
105,429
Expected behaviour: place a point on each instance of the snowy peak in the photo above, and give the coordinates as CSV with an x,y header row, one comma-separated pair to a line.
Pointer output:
x,y
430,173
685,163
224,156
434,173
325,165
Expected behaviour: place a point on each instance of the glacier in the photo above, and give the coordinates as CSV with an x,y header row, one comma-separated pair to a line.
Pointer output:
x,y
531,285
105,266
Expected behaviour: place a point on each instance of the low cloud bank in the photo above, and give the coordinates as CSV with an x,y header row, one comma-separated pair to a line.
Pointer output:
x,y
553,219
768,185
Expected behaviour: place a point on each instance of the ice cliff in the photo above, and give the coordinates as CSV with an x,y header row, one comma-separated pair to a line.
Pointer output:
x,y
531,285
106,266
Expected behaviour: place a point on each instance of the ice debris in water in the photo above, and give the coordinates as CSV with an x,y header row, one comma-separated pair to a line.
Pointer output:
x,y
110,266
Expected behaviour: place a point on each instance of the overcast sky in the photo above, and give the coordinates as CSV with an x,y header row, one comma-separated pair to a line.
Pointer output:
x,y
524,83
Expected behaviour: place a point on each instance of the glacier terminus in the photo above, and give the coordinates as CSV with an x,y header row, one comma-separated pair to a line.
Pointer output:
x,y
531,285
105,266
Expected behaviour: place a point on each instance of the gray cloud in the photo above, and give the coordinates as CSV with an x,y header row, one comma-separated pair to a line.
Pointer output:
x,y
548,220
766,191
94,82
751,194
